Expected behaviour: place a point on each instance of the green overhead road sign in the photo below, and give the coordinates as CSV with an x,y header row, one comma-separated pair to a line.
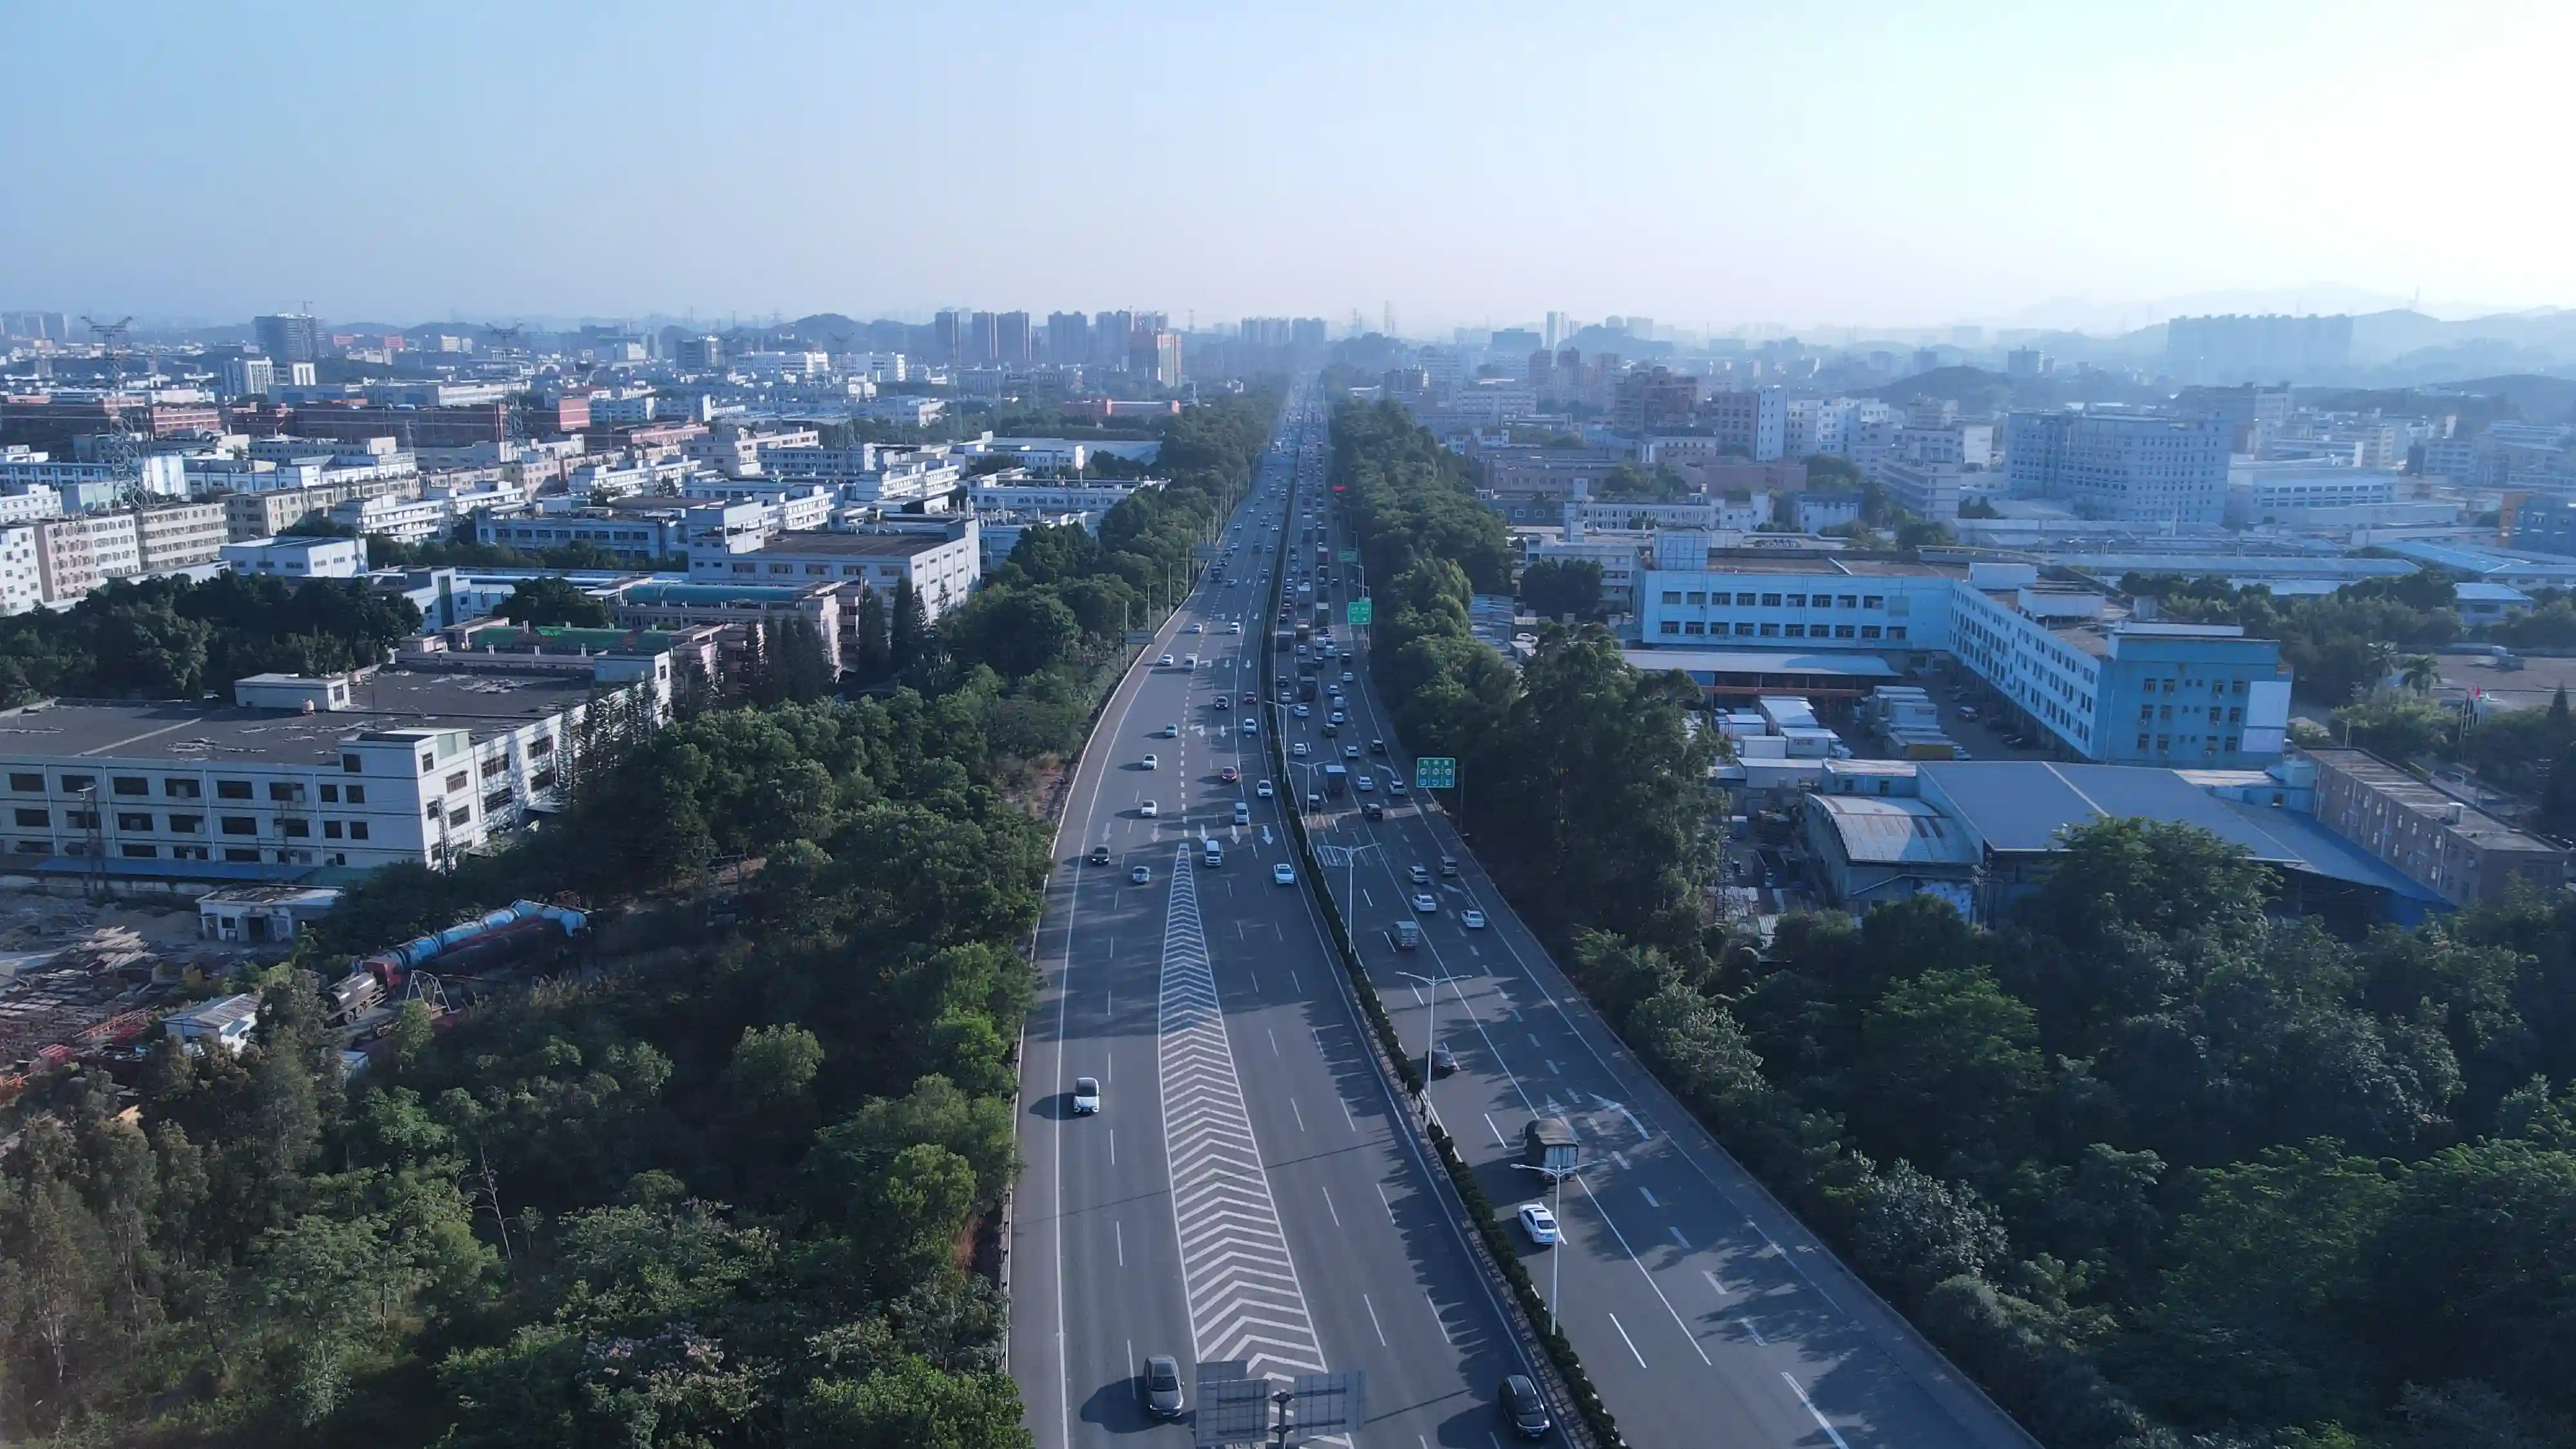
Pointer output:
x,y
1435,772
1358,611
1350,555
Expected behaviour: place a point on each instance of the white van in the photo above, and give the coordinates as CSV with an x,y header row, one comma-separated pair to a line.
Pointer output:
x,y
1214,855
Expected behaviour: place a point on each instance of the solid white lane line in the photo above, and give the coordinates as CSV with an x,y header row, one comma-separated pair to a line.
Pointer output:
x,y
1387,1201
1624,1338
1120,1229
1436,1318
1821,1422
1497,1131
1346,1113
1373,1323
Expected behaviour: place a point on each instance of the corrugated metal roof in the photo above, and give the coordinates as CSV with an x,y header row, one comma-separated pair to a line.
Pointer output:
x,y
2012,805
1892,830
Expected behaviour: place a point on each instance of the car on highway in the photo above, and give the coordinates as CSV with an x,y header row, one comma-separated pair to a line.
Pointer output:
x,y
1473,920
1165,661
1444,1062
1331,729
1152,763
1171,732
1263,790
1284,873
1377,747
1304,713
1198,628
1252,696
1229,774
1242,813
1346,676
1298,749
1314,801
1251,726
1363,783
1426,903
1236,627
1418,874
1224,702
1539,1223
1372,811
1086,1096
1163,1386
1339,717
1149,810
1524,1407
1395,786
1350,752
1191,660
1449,865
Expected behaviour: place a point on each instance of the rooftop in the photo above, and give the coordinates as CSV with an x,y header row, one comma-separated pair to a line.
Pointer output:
x,y
1889,830
482,703
2021,806
2405,790
855,545
1732,561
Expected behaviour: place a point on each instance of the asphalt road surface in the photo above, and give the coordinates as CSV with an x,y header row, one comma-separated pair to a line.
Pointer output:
x,y
1705,1313
1247,1190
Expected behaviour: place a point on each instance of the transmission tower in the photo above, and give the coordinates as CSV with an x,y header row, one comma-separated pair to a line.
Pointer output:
x,y
116,447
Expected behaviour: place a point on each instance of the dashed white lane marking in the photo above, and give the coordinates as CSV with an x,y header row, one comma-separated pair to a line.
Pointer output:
x,y
1757,1333
1624,1338
1649,1197
1616,1157
1298,1112
1373,1323
1328,1205
1438,1319
1714,1281
1237,1275
1346,1113
1497,1131
1821,1421
1678,1238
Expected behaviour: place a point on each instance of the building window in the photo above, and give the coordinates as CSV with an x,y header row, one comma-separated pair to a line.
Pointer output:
x,y
140,852
232,789
2146,711
461,816
428,763
295,827
36,819
285,790
357,794
1851,601
1695,597
130,785
1873,601
1746,600
2142,742
1895,631
74,784
457,780
239,825
181,789
1842,631
2233,715
351,764
187,824
1797,631
31,847
27,784
1770,601
357,830
1770,631
1694,627
1869,631
330,829
330,794
235,852
1671,626
125,821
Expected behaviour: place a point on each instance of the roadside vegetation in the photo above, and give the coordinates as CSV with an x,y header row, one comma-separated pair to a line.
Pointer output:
x,y
732,1182
2160,1170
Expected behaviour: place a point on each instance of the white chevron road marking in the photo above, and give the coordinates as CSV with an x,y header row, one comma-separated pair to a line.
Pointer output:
x,y
1240,1281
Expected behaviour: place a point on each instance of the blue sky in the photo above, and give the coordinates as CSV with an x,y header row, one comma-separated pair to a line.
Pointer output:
x,y
1709,163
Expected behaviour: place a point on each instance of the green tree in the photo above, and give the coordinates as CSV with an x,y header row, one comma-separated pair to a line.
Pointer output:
x,y
553,600
1555,588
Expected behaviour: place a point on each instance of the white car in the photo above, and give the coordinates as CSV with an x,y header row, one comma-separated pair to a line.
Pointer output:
x,y
1235,629
1298,749
1539,1223
1149,810
1251,727
1304,713
1263,790
1142,875
1426,903
1418,874
1166,661
1151,763
1086,1096
1363,783
1171,732
1473,920
1198,628
1284,873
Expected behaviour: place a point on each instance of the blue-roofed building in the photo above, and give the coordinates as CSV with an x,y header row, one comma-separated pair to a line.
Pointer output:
x,y
2490,603
1994,828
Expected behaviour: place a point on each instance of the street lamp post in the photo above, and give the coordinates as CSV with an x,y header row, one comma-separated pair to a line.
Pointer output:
x,y
1556,1177
1430,1029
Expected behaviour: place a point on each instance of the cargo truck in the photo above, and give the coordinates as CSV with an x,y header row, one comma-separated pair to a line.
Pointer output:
x,y
1337,780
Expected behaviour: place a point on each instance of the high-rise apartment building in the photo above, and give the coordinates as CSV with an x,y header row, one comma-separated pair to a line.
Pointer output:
x,y
248,376
983,340
1755,420
1015,343
1652,400
1068,339
1306,334
2129,467
289,336
1156,355
948,335
1110,337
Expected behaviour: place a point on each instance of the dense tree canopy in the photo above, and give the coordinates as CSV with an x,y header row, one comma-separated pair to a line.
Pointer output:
x,y
174,638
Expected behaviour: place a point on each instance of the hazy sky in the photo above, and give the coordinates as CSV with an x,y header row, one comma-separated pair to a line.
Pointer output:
x,y
1797,164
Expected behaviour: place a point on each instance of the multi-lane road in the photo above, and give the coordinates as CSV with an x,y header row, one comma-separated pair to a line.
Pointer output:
x,y
1248,1190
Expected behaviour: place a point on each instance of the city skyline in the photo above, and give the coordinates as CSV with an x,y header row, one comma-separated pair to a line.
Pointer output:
x,y
1716,168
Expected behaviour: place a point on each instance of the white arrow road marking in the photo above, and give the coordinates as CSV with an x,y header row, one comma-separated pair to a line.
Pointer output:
x,y
1237,1275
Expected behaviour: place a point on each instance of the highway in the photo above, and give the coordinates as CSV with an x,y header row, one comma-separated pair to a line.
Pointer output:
x,y
1247,1190
1704,1312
